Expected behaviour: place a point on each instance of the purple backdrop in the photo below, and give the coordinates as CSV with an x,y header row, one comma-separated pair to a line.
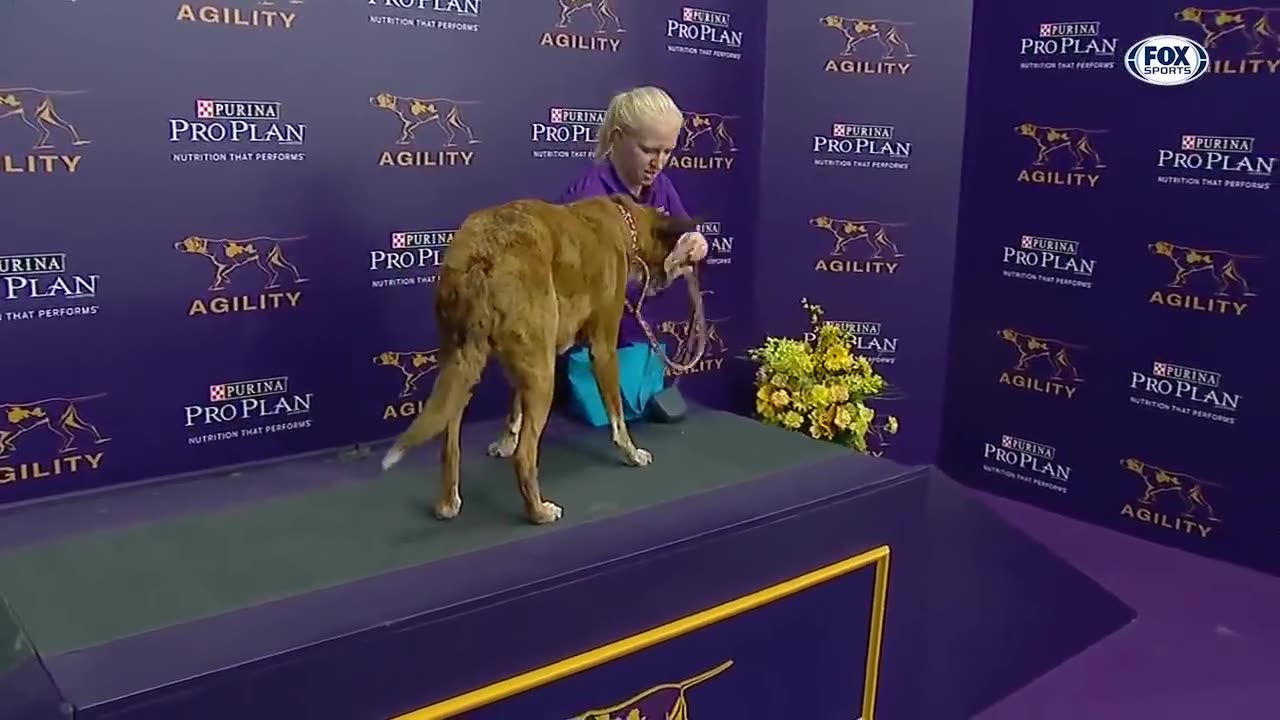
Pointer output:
x,y
860,183
270,133
1090,376
244,129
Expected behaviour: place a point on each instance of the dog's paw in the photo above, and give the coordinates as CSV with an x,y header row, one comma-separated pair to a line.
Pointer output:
x,y
504,447
448,509
548,513
393,456
639,457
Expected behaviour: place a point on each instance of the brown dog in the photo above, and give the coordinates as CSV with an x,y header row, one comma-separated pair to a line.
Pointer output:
x,y
526,280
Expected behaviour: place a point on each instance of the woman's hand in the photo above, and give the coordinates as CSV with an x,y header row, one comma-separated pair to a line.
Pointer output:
x,y
697,245
690,249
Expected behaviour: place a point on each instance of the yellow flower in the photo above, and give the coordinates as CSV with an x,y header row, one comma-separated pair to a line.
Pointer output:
x,y
819,395
866,414
764,409
818,386
861,418
820,419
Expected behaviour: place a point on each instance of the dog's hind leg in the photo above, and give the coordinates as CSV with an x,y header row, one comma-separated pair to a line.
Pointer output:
x,y
604,365
506,443
450,502
530,364
535,406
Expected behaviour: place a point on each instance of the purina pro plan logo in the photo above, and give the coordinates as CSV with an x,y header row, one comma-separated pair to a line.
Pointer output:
x,y
1166,60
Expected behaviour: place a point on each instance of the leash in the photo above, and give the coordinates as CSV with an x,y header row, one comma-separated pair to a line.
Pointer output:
x,y
695,313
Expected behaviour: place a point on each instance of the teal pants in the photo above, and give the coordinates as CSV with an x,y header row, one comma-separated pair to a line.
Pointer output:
x,y
640,374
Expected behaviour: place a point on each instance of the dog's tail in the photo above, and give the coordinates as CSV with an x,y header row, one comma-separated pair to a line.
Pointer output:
x,y
459,374
466,328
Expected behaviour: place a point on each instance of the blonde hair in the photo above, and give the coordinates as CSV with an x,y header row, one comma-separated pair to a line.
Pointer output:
x,y
633,108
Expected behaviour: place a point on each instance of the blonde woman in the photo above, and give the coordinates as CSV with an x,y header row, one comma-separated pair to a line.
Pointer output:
x,y
636,139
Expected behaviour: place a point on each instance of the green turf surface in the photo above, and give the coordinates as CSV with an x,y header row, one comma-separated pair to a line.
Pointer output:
x,y
13,644
94,588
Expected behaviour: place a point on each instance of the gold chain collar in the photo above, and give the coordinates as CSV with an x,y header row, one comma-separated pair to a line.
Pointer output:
x,y
631,225
635,259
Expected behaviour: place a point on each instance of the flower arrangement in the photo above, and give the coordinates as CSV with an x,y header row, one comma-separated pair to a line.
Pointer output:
x,y
819,386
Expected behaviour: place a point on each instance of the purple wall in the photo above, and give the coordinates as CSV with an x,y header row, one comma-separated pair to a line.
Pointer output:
x,y
144,364
127,358
1144,399
864,118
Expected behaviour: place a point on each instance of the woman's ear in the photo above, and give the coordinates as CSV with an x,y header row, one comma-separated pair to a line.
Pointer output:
x,y
615,135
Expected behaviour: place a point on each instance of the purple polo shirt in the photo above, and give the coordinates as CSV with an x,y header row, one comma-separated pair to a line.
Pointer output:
x,y
602,179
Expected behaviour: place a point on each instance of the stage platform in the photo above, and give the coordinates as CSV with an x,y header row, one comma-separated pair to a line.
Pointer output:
x,y
749,561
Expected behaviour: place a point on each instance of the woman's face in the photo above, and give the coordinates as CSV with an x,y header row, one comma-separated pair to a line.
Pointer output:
x,y
639,155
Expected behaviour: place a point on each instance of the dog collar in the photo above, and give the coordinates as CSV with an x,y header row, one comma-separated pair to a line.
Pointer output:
x,y
634,259
631,226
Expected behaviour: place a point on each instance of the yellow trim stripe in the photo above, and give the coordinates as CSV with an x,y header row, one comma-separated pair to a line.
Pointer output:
x,y
875,638
879,557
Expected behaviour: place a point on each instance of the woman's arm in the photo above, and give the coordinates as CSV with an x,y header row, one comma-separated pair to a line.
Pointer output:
x,y
587,185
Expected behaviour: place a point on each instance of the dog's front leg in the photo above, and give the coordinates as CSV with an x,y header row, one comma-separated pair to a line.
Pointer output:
x,y
221,277
604,365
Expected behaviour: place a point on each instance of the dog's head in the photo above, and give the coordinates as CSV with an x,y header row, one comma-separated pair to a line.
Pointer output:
x,y
665,243
1190,14
193,245
384,101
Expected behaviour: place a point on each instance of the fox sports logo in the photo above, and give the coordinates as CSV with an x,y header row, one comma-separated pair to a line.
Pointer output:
x,y
1166,60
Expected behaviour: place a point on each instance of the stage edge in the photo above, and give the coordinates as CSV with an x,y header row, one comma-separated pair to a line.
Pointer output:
x,y
877,557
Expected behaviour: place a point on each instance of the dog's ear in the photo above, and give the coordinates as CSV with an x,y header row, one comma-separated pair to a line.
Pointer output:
x,y
669,228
